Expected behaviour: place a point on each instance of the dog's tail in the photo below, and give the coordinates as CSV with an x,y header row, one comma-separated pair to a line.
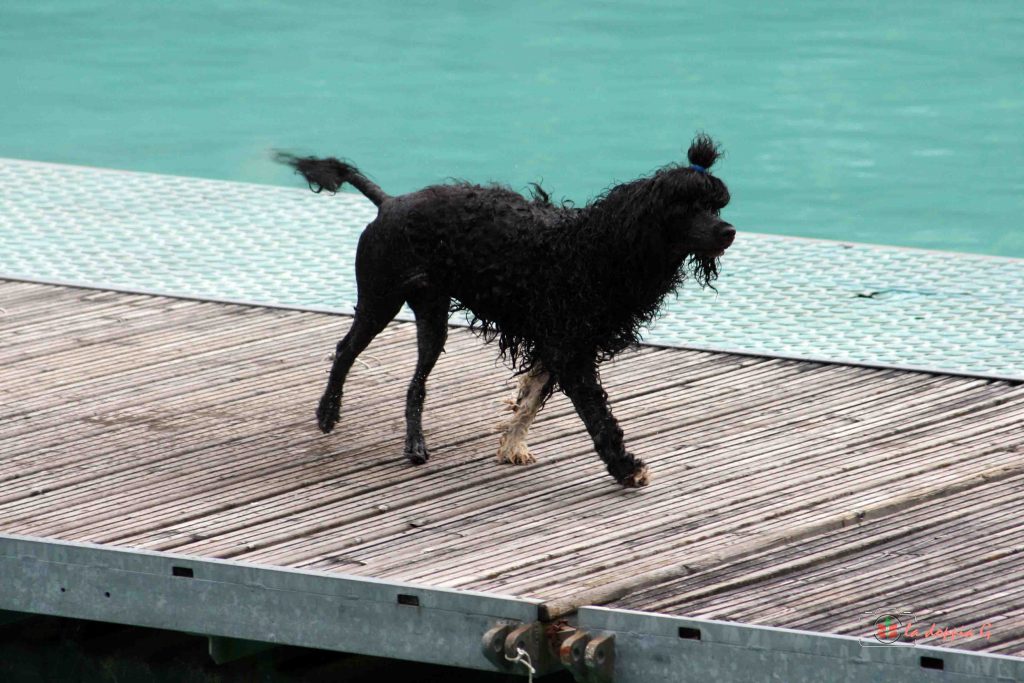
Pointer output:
x,y
330,174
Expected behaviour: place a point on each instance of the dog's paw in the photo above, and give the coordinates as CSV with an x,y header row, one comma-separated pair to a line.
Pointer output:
x,y
327,412
514,452
637,478
417,452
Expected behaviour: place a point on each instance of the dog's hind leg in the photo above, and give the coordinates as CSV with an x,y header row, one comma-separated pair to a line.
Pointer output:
x,y
534,388
591,403
431,333
372,316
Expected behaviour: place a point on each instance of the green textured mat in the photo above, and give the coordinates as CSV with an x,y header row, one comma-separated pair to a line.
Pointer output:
x,y
285,246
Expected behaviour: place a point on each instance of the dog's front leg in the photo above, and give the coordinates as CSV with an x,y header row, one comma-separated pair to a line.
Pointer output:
x,y
591,402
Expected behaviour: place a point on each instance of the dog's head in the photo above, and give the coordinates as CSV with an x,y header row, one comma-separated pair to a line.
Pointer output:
x,y
691,201
694,201
669,220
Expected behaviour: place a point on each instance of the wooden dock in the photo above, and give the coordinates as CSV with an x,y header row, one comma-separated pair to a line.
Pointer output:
x,y
784,492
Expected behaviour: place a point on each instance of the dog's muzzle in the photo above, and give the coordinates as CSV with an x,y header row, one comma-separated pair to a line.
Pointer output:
x,y
726,234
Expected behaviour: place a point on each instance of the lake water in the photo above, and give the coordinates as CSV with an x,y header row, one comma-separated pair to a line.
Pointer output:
x,y
891,121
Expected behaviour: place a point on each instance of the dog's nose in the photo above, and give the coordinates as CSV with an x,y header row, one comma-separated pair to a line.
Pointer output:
x,y
727,234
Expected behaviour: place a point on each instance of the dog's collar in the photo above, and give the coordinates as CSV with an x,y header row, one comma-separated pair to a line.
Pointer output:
x,y
698,169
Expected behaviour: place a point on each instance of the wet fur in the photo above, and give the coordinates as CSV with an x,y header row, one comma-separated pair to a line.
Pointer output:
x,y
534,389
559,288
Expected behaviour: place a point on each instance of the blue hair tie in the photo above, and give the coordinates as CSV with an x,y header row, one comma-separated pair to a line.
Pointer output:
x,y
698,169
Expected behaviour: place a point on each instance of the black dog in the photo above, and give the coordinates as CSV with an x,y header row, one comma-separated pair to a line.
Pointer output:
x,y
560,288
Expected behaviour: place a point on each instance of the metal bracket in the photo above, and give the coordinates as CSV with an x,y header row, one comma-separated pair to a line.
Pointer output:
x,y
530,638
494,645
600,658
541,642
590,659
572,652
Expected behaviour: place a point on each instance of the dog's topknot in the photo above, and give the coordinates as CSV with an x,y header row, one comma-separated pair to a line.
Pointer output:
x,y
703,151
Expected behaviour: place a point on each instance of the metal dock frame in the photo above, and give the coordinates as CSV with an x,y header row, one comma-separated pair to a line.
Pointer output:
x,y
252,603
652,647
238,605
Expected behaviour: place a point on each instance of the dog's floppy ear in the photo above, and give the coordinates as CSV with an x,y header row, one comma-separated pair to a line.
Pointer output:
x,y
703,152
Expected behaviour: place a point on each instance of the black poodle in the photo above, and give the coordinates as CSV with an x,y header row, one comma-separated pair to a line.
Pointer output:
x,y
560,288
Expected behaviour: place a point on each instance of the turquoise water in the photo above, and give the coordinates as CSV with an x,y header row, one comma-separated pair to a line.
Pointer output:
x,y
890,121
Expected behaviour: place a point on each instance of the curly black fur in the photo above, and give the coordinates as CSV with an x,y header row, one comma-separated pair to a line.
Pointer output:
x,y
555,285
